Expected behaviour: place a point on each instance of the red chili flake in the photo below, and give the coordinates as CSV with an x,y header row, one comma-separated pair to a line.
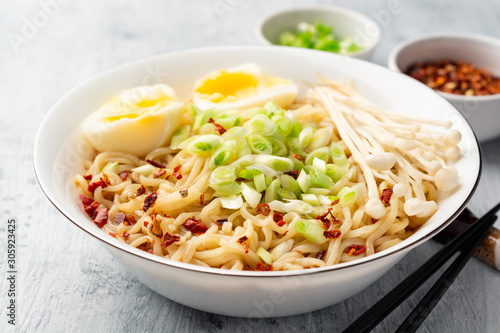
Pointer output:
x,y
169,239
113,234
130,220
101,216
263,209
105,181
211,121
374,220
331,234
157,173
263,267
245,247
285,233
123,175
92,186
88,177
86,201
125,235
120,218
281,223
355,249
242,239
177,168
293,173
386,196
202,199
320,255
297,157
149,201
177,175
156,164
277,217
195,226
221,221
141,190
146,223
334,202
91,209
156,229
219,128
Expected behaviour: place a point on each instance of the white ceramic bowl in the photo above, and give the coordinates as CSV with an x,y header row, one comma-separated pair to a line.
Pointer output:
x,y
345,22
59,150
482,112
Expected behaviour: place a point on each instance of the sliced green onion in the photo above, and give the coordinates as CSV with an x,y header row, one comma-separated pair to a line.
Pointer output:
x,y
179,136
260,182
146,170
338,155
272,108
311,231
235,133
321,137
286,194
323,200
319,191
333,198
231,202
277,206
258,144
321,153
194,111
207,129
110,166
225,189
204,144
319,164
251,195
298,206
348,195
296,128
228,122
246,174
272,191
279,148
264,255
303,181
223,155
242,148
333,171
264,169
276,163
319,179
261,124
284,127
311,199
210,113
289,183
296,147
223,174
305,136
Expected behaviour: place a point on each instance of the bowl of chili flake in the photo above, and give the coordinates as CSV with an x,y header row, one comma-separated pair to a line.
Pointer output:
x,y
464,68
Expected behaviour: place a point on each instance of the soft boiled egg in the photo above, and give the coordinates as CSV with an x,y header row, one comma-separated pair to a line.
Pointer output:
x,y
136,122
242,87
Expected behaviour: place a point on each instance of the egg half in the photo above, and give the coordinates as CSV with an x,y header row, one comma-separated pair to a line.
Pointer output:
x,y
136,122
242,87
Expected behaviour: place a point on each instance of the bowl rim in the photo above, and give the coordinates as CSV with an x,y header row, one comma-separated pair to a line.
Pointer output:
x,y
101,236
465,36
374,41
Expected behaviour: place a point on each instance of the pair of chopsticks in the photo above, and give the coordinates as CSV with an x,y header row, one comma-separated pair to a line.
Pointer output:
x,y
466,243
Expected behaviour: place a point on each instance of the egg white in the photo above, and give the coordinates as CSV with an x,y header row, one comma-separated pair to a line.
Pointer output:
x,y
136,122
268,88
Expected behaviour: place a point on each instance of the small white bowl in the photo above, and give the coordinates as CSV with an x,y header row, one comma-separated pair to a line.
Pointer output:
x,y
482,112
345,22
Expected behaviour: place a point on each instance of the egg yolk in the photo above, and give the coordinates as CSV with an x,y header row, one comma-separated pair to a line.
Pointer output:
x,y
117,110
227,84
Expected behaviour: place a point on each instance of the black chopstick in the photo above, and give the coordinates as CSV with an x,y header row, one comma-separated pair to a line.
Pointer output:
x,y
373,316
425,306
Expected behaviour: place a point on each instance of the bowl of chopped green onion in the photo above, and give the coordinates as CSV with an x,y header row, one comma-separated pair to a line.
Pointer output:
x,y
326,28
